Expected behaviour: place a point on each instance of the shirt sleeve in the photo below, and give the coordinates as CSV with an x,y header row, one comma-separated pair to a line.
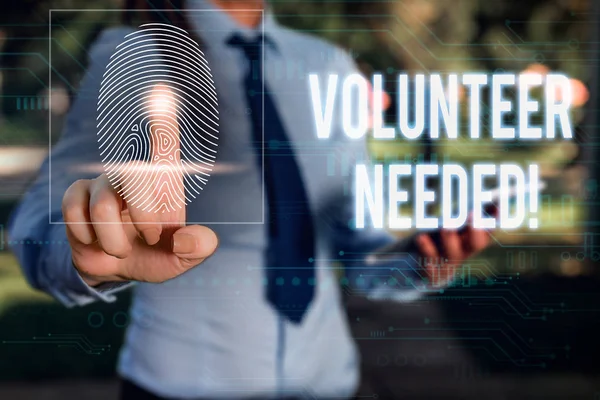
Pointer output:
x,y
401,276
36,231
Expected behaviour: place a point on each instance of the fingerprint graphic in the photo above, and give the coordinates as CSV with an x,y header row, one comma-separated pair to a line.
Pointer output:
x,y
157,119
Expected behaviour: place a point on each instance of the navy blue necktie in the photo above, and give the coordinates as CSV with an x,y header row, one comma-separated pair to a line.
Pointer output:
x,y
290,265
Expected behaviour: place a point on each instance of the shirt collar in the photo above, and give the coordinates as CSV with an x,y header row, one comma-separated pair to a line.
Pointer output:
x,y
215,27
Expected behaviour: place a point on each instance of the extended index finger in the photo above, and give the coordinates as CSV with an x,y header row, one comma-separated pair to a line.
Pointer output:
x,y
167,170
155,192
164,129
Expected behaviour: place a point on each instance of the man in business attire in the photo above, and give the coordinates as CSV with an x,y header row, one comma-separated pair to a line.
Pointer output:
x,y
261,316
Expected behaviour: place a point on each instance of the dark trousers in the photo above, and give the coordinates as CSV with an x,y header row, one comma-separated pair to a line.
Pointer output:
x,y
131,391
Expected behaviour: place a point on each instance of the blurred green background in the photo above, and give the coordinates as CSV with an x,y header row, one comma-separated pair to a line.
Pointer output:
x,y
388,37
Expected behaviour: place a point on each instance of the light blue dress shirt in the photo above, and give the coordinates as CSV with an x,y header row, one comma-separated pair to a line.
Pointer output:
x,y
210,332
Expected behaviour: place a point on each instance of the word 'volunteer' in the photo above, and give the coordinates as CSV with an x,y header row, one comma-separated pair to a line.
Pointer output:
x,y
442,105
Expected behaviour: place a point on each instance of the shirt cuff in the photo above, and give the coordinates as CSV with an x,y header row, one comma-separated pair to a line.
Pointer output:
x,y
74,291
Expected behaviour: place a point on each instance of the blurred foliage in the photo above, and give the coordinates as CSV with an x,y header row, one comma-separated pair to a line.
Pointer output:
x,y
25,60
458,35
387,36
76,343
431,36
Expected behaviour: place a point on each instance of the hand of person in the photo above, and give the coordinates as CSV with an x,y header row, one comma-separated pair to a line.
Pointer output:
x,y
441,260
131,227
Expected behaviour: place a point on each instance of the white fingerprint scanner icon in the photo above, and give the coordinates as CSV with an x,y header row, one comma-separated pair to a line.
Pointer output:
x,y
158,119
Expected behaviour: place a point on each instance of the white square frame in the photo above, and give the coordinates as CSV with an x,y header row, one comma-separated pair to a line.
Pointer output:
x,y
50,213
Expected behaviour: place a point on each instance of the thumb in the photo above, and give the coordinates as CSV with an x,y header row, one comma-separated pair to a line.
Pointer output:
x,y
194,243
